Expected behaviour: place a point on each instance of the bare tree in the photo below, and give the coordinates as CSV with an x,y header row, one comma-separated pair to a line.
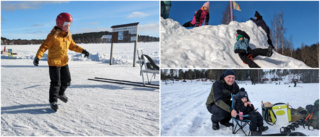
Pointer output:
x,y
278,31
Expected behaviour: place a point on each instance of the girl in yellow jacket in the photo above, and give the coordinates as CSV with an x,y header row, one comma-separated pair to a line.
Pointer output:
x,y
58,42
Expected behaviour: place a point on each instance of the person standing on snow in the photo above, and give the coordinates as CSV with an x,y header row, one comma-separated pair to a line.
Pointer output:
x,y
245,52
260,22
58,42
219,100
200,15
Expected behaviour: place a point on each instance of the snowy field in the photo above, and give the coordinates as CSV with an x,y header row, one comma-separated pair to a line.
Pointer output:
x,y
94,108
184,112
213,47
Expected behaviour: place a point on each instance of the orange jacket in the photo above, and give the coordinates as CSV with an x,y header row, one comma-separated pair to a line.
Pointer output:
x,y
57,43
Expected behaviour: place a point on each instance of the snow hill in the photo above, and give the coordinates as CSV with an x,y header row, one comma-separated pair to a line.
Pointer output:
x,y
94,108
184,112
213,47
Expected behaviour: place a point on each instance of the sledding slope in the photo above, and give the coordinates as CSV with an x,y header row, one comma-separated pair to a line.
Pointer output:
x,y
212,47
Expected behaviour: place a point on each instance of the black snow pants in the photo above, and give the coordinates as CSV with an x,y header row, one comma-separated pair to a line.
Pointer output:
x,y
218,114
60,80
253,53
256,120
188,24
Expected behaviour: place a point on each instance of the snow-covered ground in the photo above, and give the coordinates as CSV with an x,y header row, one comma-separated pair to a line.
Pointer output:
x,y
184,112
94,108
213,47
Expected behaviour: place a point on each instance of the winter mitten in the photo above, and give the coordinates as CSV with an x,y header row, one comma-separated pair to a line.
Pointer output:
x,y
36,61
86,53
251,18
197,24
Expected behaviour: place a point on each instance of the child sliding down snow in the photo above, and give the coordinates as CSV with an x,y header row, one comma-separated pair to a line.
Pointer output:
x,y
244,105
245,52
200,15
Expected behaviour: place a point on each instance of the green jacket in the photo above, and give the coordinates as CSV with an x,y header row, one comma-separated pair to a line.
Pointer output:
x,y
220,94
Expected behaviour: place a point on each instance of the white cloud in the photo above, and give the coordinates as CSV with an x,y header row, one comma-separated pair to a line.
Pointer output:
x,y
12,6
137,15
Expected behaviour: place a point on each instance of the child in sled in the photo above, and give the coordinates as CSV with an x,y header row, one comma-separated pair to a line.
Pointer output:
x,y
200,15
58,42
245,52
244,105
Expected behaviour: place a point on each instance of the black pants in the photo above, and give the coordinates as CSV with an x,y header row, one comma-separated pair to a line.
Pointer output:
x,y
188,24
256,120
269,41
218,114
254,53
60,80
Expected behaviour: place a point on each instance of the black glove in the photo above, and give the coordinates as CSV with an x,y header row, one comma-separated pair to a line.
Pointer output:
x,y
36,61
86,53
251,18
240,51
197,24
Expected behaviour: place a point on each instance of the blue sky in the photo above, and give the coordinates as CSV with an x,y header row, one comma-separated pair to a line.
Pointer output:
x,y
301,18
35,19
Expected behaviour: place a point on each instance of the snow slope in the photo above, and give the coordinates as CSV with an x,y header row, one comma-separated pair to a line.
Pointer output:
x,y
213,47
94,108
184,112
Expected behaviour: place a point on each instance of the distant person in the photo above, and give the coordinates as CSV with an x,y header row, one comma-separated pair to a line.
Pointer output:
x,y
200,15
219,100
58,42
244,105
165,9
245,52
260,22
295,83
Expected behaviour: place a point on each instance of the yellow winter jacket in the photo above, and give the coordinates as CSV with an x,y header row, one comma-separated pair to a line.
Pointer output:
x,y
57,43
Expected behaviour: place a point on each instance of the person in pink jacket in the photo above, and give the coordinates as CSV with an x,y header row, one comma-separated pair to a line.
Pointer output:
x,y
200,15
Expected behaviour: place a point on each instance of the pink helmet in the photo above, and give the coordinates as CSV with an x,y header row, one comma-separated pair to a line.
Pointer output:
x,y
63,17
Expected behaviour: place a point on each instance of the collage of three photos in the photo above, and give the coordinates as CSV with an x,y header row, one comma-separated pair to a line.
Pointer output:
x,y
159,68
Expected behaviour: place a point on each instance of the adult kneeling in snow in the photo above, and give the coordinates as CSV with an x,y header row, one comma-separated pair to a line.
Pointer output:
x,y
219,100
245,52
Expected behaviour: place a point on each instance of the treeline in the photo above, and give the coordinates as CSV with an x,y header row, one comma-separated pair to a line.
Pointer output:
x,y
92,37
255,75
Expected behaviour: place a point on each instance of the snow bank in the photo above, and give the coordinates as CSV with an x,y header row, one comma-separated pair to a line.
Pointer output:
x,y
122,54
212,47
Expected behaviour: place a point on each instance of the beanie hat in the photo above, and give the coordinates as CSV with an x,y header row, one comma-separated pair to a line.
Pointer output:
x,y
257,15
228,72
206,4
242,94
238,36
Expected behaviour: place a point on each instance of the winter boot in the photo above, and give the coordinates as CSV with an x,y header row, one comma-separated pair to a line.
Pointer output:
x,y
270,52
54,106
227,124
263,128
63,98
255,133
215,126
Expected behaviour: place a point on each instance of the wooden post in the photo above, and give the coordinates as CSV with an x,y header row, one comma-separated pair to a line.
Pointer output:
x,y
111,53
135,50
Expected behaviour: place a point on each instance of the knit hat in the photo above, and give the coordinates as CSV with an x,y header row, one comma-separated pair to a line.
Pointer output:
x,y
257,15
238,36
228,72
206,4
242,93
